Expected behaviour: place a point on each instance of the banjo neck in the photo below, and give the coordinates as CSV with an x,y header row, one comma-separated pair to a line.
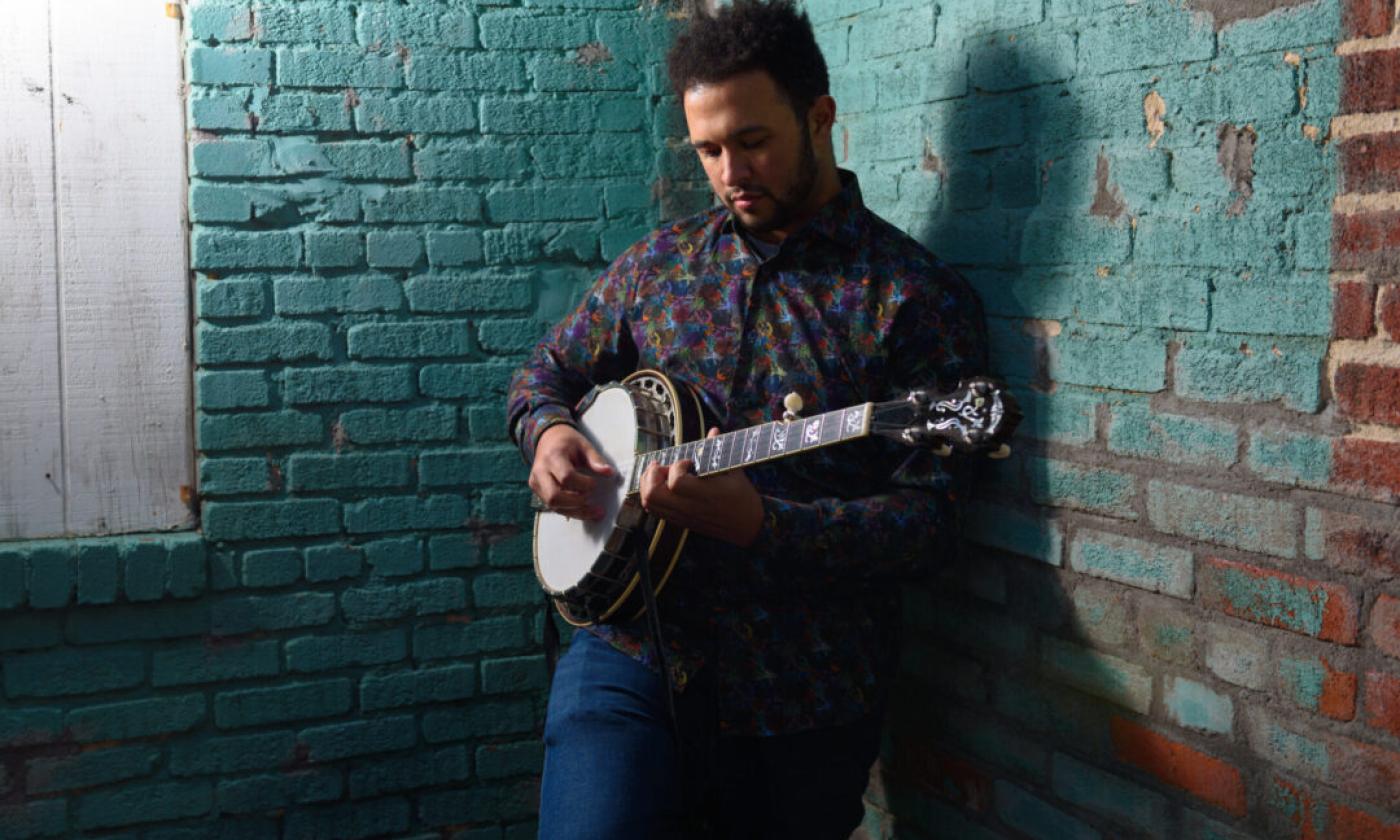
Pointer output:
x,y
757,444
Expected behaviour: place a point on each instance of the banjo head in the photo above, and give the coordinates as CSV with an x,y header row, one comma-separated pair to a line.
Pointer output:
x,y
566,549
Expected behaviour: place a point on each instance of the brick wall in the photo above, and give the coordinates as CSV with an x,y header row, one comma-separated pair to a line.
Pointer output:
x,y
388,202
1180,617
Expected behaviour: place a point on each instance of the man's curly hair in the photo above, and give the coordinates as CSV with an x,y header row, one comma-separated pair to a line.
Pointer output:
x,y
767,35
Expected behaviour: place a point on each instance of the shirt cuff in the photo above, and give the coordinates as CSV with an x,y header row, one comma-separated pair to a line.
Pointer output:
x,y
530,426
786,527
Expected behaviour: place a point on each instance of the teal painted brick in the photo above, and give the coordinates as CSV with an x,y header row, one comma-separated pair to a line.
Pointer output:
x,y
422,597
420,204
501,761
309,654
513,802
1114,797
1015,532
129,622
486,422
220,110
563,158
269,520
338,67
266,793
1195,706
452,551
1299,305
332,249
517,551
89,769
51,574
349,160
1025,295
1282,28
266,249
27,727
335,295
1145,565
527,30
233,158
243,431
40,818
549,203
384,817
230,66
235,616
514,673
535,115
144,569
484,292
1129,40
1253,524
349,383
1144,297
289,112
438,114
282,703
456,70
471,160
445,641
479,720
506,335
1003,65
1036,818
1225,369
1113,358
1166,634
454,247
231,299
220,21
97,572
1082,487
551,74
505,505
312,471
135,804
382,425
477,465
410,340
332,562
285,341
432,24
360,737
232,389
517,243
13,574
1291,456
204,663
1283,747
188,565
1304,681
406,514
1233,243
419,687
229,754
1100,674
1057,240
219,203
69,671
392,775
1312,234
271,567
320,23
396,557
1135,429
625,198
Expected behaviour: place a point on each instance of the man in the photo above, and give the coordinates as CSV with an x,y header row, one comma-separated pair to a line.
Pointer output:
x,y
780,621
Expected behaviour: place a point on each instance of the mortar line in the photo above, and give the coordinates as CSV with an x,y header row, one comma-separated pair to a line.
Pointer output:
x,y
1354,125
63,444
1350,204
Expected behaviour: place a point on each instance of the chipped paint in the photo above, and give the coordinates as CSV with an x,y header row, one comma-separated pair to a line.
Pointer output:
x,y
1236,156
1108,199
1225,13
1154,108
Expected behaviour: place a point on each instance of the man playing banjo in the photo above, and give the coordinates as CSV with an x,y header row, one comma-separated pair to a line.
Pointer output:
x,y
780,621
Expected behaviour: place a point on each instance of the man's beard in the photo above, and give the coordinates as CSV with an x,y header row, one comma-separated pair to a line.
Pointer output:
x,y
793,203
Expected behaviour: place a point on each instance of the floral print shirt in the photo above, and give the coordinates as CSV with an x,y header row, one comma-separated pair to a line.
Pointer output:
x,y
800,629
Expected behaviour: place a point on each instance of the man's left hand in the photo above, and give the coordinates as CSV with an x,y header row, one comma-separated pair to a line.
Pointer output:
x,y
725,506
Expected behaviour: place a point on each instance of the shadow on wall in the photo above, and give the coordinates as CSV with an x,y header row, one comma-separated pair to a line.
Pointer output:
x,y
1029,212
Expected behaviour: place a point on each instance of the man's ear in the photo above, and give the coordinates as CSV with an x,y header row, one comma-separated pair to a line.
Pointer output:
x,y
821,116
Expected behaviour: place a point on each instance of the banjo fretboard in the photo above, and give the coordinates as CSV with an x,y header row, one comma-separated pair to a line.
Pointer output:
x,y
756,444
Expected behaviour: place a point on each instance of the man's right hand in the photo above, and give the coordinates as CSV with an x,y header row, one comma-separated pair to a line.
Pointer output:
x,y
566,470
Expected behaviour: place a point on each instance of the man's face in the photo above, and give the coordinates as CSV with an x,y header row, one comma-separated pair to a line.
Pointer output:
x,y
757,153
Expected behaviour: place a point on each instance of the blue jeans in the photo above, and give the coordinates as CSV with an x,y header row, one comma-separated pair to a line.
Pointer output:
x,y
611,770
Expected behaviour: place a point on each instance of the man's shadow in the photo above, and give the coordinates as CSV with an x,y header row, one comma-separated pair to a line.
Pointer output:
x,y
1013,180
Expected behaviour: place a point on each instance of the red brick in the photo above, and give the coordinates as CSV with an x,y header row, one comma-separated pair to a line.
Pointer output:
x,y
1367,18
1371,163
1366,771
1370,393
1353,310
1390,312
1371,464
1338,700
1326,611
1385,625
1178,765
1371,82
1353,547
942,775
1350,824
1366,241
1298,809
1383,702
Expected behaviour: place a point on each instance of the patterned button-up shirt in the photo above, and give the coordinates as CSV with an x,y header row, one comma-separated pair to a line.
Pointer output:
x,y
800,628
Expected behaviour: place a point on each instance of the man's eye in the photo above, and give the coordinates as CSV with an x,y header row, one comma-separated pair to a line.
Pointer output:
x,y
708,153
754,144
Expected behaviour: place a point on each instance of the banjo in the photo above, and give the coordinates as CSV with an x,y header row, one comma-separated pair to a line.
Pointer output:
x,y
590,569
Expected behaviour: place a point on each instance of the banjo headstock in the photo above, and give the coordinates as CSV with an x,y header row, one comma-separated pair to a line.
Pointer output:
x,y
978,416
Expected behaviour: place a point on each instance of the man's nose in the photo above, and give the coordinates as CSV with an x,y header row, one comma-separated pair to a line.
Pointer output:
x,y
734,170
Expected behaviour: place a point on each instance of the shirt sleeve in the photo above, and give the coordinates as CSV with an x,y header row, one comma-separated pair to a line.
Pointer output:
x,y
591,345
916,519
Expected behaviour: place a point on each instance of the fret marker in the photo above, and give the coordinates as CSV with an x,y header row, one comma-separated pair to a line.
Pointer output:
x,y
813,432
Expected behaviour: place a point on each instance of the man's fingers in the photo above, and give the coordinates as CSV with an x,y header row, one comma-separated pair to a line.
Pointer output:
x,y
595,461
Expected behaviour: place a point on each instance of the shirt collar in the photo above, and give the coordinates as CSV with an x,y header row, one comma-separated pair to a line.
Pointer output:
x,y
841,219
